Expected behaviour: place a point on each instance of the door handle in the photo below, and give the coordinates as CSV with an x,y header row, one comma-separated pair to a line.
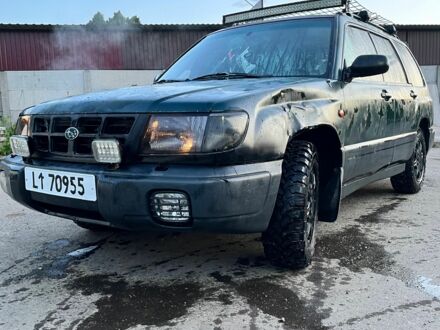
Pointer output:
x,y
385,95
413,95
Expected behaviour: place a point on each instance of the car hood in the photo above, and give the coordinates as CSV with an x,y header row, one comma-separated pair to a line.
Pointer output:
x,y
199,96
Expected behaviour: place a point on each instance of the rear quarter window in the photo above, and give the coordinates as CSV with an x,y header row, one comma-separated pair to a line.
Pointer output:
x,y
412,69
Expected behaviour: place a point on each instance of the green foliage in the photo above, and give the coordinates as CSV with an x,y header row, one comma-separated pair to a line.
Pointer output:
x,y
97,20
5,148
118,19
134,20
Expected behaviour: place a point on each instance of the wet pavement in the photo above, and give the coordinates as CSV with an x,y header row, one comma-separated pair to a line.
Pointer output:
x,y
377,267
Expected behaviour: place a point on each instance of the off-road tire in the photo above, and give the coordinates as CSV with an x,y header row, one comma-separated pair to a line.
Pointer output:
x,y
93,227
289,242
411,181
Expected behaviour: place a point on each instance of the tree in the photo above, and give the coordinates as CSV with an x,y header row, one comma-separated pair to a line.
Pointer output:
x,y
118,19
134,20
97,20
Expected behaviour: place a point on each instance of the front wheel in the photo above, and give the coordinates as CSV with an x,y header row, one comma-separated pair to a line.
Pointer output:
x,y
411,181
290,239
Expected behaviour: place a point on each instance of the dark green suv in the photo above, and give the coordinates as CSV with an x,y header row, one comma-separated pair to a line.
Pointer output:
x,y
259,128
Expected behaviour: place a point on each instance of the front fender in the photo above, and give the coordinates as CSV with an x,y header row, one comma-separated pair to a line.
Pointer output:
x,y
276,125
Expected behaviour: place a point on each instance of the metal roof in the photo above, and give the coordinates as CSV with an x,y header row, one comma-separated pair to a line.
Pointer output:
x,y
161,27
148,27
418,26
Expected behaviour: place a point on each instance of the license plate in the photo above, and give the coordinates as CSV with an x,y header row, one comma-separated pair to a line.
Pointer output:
x,y
58,183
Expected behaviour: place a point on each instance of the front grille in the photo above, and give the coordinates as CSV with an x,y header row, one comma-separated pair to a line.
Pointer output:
x,y
41,125
41,143
59,144
60,124
118,125
48,134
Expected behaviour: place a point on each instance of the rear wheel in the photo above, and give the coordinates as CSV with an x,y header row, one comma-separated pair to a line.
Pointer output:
x,y
290,239
411,181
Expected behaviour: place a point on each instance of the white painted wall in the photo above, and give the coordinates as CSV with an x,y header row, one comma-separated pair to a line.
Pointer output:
x,y
22,89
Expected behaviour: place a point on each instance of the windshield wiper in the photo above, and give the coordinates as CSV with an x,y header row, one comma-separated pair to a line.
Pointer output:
x,y
229,75
166,81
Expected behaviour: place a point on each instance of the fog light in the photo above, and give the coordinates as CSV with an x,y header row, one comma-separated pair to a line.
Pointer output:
x,y
20,146
171,207
106,151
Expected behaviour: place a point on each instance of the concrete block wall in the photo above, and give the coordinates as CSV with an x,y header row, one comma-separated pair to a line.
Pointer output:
x,y
22,89
432,76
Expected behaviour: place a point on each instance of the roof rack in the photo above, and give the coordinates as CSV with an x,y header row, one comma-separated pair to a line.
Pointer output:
x,y
312,7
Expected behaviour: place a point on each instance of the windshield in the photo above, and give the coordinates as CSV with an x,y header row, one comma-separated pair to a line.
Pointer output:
x,y
293,48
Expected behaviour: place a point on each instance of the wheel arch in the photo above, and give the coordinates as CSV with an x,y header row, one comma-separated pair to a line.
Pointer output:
x,y
328,145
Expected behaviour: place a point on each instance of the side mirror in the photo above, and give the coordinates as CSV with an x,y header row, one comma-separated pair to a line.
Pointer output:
x,y
367,66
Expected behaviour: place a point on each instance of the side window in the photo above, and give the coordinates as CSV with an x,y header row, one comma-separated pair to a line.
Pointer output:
x,y
357,43
411,67
396,74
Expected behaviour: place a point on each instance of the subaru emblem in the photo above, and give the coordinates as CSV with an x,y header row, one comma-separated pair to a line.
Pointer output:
x,y
71,133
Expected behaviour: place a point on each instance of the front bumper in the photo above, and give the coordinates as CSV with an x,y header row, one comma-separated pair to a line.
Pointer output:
x,y
230,199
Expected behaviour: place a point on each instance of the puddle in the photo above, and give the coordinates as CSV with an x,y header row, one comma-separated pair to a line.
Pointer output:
x,y
282,303
52,261
56,245
390,310
221,278
263,294
124,305
354,251
377,215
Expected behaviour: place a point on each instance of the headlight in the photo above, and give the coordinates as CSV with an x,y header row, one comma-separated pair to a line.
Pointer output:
x,y
23,126
172,134
224,132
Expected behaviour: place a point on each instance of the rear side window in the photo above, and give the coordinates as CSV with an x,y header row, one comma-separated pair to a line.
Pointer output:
x,y
411,67
396,74
357,43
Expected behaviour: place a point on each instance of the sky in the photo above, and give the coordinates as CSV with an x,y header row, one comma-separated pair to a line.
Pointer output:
x,y
186,11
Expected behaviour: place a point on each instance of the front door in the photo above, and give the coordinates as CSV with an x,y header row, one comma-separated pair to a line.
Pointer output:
x,y
370,114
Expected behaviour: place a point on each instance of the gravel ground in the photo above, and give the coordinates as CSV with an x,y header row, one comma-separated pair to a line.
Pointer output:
x,y
378,267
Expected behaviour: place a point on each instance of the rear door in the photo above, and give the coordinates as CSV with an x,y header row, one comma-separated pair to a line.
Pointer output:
x,y
399,89
419,105
369,114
